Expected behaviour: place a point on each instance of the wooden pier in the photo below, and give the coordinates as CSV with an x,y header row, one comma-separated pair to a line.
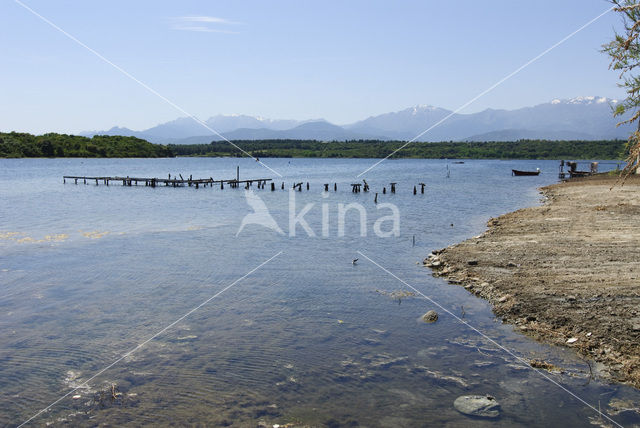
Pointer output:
x,y
173,182
180,181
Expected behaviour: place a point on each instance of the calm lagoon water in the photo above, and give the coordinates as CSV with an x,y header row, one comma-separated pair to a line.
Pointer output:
x,y
88,273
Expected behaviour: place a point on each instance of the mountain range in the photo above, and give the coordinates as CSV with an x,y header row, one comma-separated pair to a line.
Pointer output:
x,y
580,118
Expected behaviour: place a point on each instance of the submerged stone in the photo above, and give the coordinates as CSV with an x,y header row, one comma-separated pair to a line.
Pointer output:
x,y
484,406
189,337
431,316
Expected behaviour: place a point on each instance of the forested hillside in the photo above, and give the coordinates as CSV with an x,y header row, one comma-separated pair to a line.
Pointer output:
x,y
23,145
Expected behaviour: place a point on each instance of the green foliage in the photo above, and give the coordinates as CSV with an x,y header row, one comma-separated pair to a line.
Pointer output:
x,y
22,145
17,145
624,52
522,149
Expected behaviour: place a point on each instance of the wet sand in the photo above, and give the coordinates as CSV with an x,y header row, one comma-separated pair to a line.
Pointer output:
x,y
566,272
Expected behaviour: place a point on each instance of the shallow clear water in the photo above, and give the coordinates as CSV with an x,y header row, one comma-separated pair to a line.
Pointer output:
x,y
88,273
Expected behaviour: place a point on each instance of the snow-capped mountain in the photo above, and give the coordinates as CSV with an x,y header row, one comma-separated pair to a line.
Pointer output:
x,y
187,127
580,118
586,117
402,125
585,100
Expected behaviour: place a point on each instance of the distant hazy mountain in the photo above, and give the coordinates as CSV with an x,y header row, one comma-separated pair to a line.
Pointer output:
x,y
587,118
185,127
404,124
576,118
527,134
318,130
116,130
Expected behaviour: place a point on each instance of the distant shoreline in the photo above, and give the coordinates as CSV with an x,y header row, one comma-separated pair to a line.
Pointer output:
x,y
23,145
376,149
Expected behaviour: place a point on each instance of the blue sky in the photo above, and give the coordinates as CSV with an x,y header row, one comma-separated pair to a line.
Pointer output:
x,y
338,60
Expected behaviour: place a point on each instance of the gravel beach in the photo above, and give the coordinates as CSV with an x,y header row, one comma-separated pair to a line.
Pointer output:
x,y
566,272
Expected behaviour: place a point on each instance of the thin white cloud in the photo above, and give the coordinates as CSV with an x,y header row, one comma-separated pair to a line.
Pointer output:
x,y
203,24
201,29
210,19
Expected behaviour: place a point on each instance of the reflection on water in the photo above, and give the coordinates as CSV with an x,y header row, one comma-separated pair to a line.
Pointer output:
x,y
310,338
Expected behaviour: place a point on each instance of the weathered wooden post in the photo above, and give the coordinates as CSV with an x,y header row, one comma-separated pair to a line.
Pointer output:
x,y
307,185
335,187
238,173
393,187
384,190
375,200
422,187
326,187
282,188
415,192
273,186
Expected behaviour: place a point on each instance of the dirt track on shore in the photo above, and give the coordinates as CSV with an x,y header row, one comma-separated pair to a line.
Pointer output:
x,y
566,272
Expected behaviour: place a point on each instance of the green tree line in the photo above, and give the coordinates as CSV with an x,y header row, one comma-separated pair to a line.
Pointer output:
x,y
23,145
522,149
17,145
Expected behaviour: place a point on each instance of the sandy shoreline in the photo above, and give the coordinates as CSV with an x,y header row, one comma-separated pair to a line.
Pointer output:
x,y
566,272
